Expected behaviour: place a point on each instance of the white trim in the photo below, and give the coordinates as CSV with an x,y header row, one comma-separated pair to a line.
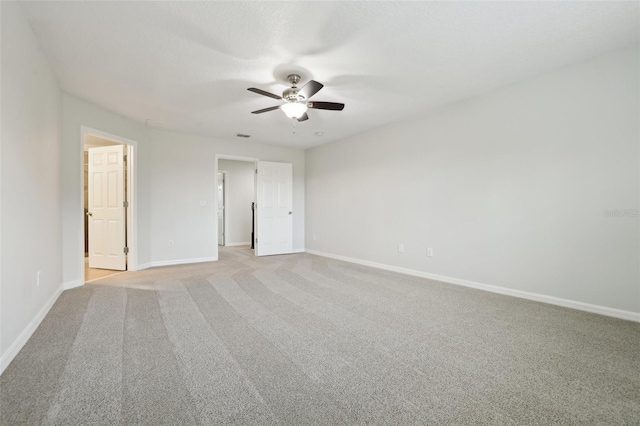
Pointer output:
x,y
298,251
72,284
132,211
235,158
248,243
581,306
26,334
177,262
105,135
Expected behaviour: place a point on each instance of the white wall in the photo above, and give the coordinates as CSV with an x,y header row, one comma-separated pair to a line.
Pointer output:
x,y
184,174
509,189
77,113
30,194
239,194
175,172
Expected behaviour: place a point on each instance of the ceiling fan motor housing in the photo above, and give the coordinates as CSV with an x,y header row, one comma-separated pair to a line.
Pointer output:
x,y
291,95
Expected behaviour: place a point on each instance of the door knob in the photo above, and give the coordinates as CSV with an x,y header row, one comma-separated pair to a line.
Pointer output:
x,y
89,214
290,212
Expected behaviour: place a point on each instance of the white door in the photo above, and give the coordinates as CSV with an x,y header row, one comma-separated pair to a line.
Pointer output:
x,y
106,208
274,214
220,209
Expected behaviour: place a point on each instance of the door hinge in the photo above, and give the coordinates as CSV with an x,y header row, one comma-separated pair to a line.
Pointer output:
x,y
256,171
125,204
124,158
126,250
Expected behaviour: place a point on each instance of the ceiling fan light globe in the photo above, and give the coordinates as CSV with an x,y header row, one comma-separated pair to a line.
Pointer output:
x,y
294,109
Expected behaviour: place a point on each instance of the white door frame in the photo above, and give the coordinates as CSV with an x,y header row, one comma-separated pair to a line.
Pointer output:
x,y
215,170
132,190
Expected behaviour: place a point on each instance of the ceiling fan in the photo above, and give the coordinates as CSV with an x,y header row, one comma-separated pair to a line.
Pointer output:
x,y
297,100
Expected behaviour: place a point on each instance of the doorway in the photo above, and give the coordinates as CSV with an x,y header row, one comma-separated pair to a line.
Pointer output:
x,y
236,196
108,205
221,208
270,205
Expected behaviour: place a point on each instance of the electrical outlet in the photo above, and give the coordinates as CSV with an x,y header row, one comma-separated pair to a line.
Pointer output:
x,y
38,278
429,252
170,243
400,248
314,237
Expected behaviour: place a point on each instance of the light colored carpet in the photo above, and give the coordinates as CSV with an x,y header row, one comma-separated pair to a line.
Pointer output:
x,y
300,339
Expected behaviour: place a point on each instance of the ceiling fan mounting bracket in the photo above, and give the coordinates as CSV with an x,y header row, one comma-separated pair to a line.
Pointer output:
x,y
293,79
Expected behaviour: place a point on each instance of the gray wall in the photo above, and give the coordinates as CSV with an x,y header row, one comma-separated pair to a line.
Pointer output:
x,y
509,189
239,194
30,174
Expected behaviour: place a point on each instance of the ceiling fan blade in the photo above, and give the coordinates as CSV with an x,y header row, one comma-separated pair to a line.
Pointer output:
x,y
260,111
334,106
263,93
310,89
303,117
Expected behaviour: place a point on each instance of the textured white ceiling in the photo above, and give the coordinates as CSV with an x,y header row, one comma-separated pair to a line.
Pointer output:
x,y
188,64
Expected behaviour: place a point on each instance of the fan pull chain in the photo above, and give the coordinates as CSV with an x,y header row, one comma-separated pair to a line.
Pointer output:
x,y
294,125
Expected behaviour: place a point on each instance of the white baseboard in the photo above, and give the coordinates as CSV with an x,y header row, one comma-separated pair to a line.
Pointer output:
x,y
248,243
26,334
176,262
72,284
298,251
596,309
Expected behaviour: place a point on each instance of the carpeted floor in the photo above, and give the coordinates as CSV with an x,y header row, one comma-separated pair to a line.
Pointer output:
x,y
300,340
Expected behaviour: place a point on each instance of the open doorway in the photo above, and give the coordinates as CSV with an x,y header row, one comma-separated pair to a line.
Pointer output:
x,y
268,198
221,208
108,202
236,198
